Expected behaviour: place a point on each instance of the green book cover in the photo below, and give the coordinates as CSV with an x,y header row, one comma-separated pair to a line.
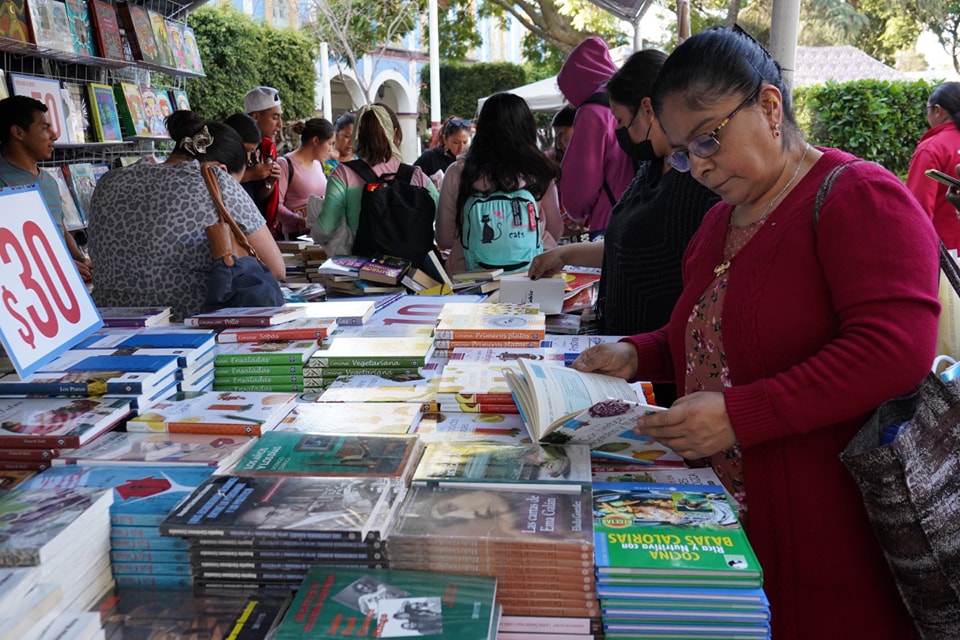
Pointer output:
x,y
329,454
263,387
264,379
226,371
264,353
383,603
659,530
393,352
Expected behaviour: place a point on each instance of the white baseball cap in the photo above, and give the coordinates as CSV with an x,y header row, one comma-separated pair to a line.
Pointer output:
x,y
261,99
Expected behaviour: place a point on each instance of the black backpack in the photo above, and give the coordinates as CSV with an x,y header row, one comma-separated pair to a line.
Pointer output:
x,y
396,217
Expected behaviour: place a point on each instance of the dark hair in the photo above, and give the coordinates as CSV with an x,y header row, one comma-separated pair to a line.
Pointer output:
x,y
373,146
319,128
715,64
17,111
344,121
246,126
564,117
504,151
634,80
449,127
226,148
397,131
947,95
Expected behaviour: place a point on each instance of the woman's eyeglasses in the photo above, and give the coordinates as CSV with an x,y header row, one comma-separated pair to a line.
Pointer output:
x,y
707,144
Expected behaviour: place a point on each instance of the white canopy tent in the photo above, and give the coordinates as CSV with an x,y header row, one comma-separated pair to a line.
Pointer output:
x,y
542,96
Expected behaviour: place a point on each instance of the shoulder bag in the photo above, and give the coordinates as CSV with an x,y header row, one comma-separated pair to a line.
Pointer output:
x,y
906,462
238,277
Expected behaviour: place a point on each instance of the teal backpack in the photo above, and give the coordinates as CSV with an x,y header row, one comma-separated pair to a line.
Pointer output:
x,y
501,230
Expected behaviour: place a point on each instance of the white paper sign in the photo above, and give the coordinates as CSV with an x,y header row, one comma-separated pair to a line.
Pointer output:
x,y
44,306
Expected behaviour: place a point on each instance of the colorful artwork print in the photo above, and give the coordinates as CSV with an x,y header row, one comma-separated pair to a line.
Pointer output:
x,y
13,20
180,101
191,50
107,30
175,33
80,27
159,27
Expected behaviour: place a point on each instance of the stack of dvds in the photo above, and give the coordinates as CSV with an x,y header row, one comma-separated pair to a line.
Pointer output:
x,y
262,366
673,561
520,514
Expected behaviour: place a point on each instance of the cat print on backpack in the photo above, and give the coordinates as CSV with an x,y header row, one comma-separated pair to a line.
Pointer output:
x,y
501,230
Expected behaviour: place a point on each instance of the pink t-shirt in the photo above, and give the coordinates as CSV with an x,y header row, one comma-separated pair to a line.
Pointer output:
x,y
295,192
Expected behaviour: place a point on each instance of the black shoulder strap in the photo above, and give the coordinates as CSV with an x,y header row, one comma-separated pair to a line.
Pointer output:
x,y
609,192
827,185
363,170
289,160
600,97
405,173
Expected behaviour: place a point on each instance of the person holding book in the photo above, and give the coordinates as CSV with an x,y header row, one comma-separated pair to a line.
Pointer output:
x,y
787,333
301,175
652,223
147,221
938,149
27,138
504,157
333,221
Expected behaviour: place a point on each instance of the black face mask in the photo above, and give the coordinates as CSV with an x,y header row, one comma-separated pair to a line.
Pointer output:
x,y
638,152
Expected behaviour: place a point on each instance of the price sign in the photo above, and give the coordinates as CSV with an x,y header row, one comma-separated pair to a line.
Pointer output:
x,y
46,91
44,306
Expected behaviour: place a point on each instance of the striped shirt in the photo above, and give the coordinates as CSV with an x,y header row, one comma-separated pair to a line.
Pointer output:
x,y
13,176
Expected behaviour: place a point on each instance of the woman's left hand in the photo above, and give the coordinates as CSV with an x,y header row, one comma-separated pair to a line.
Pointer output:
x,y
695,426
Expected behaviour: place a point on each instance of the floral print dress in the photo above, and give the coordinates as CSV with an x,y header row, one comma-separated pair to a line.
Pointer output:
x,y
706,362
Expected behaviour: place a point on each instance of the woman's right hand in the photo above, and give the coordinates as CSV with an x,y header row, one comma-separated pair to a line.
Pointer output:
x,y
617,359
547,264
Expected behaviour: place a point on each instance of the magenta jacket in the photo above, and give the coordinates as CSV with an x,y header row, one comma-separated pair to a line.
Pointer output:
x,y
593,157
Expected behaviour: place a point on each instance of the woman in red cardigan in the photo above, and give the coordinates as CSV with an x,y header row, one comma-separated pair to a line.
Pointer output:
x,y
788,332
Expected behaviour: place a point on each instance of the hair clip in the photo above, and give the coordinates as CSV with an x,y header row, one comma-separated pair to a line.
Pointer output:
x,y
199,143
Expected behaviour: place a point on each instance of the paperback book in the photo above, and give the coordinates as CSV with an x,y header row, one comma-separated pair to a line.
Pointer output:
x,y
334,603
133,115
245,317
58,423
369,388
134,316
517,327
346,313
280,508
120,448
487,427
143,495
103,113
84,383
303,329
81,28
374,352
385,269
264,353
72,218
214,412
644,531
16,26
330,455
352,417
484,465
76,113
106,29
80,179
139,32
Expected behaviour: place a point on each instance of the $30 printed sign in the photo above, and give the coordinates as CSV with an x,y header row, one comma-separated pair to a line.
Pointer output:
x,y
44,306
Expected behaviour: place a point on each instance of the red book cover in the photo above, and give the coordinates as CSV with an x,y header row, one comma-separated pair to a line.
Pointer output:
x,y
106,29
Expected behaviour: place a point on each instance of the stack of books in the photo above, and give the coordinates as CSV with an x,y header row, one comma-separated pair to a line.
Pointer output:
x,y
359,276
122,448
245,317
345,313
395,418
365,360
473,387
34,431
262,366
673,561
334,603
489,325
294,258
226,413
61,537
303,329
142,497
133,317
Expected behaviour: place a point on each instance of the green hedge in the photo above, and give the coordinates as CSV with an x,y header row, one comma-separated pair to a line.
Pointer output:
x,y
878,120
239,54
462,85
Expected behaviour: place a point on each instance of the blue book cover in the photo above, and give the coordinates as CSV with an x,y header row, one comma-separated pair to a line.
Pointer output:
x,y
161,365
154,581
143,496
150,568
119,540
85,383
202,341
147,555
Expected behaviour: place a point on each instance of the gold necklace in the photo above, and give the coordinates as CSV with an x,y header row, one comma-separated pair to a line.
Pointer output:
x,y
721,268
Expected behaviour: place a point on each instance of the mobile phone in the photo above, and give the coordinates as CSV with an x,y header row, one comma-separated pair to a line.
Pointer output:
x,y
942,178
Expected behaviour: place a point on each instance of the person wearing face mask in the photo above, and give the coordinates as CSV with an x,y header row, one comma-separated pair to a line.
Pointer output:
x,y
594,172
650,226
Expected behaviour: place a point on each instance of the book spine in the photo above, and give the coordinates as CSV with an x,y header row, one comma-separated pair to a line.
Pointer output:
x,y
586,625
274,535
29,454
235,359
21,389
130,543
24,465
454,407
321,362
214,428
223,321
233,386
472,344
149,556
280,379
489,334
333,372
269,335
40,442
154,581
158,569
350,321
264,370
136,519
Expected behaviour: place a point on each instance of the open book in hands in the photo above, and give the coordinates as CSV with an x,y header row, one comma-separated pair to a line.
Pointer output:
x,y
560,405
